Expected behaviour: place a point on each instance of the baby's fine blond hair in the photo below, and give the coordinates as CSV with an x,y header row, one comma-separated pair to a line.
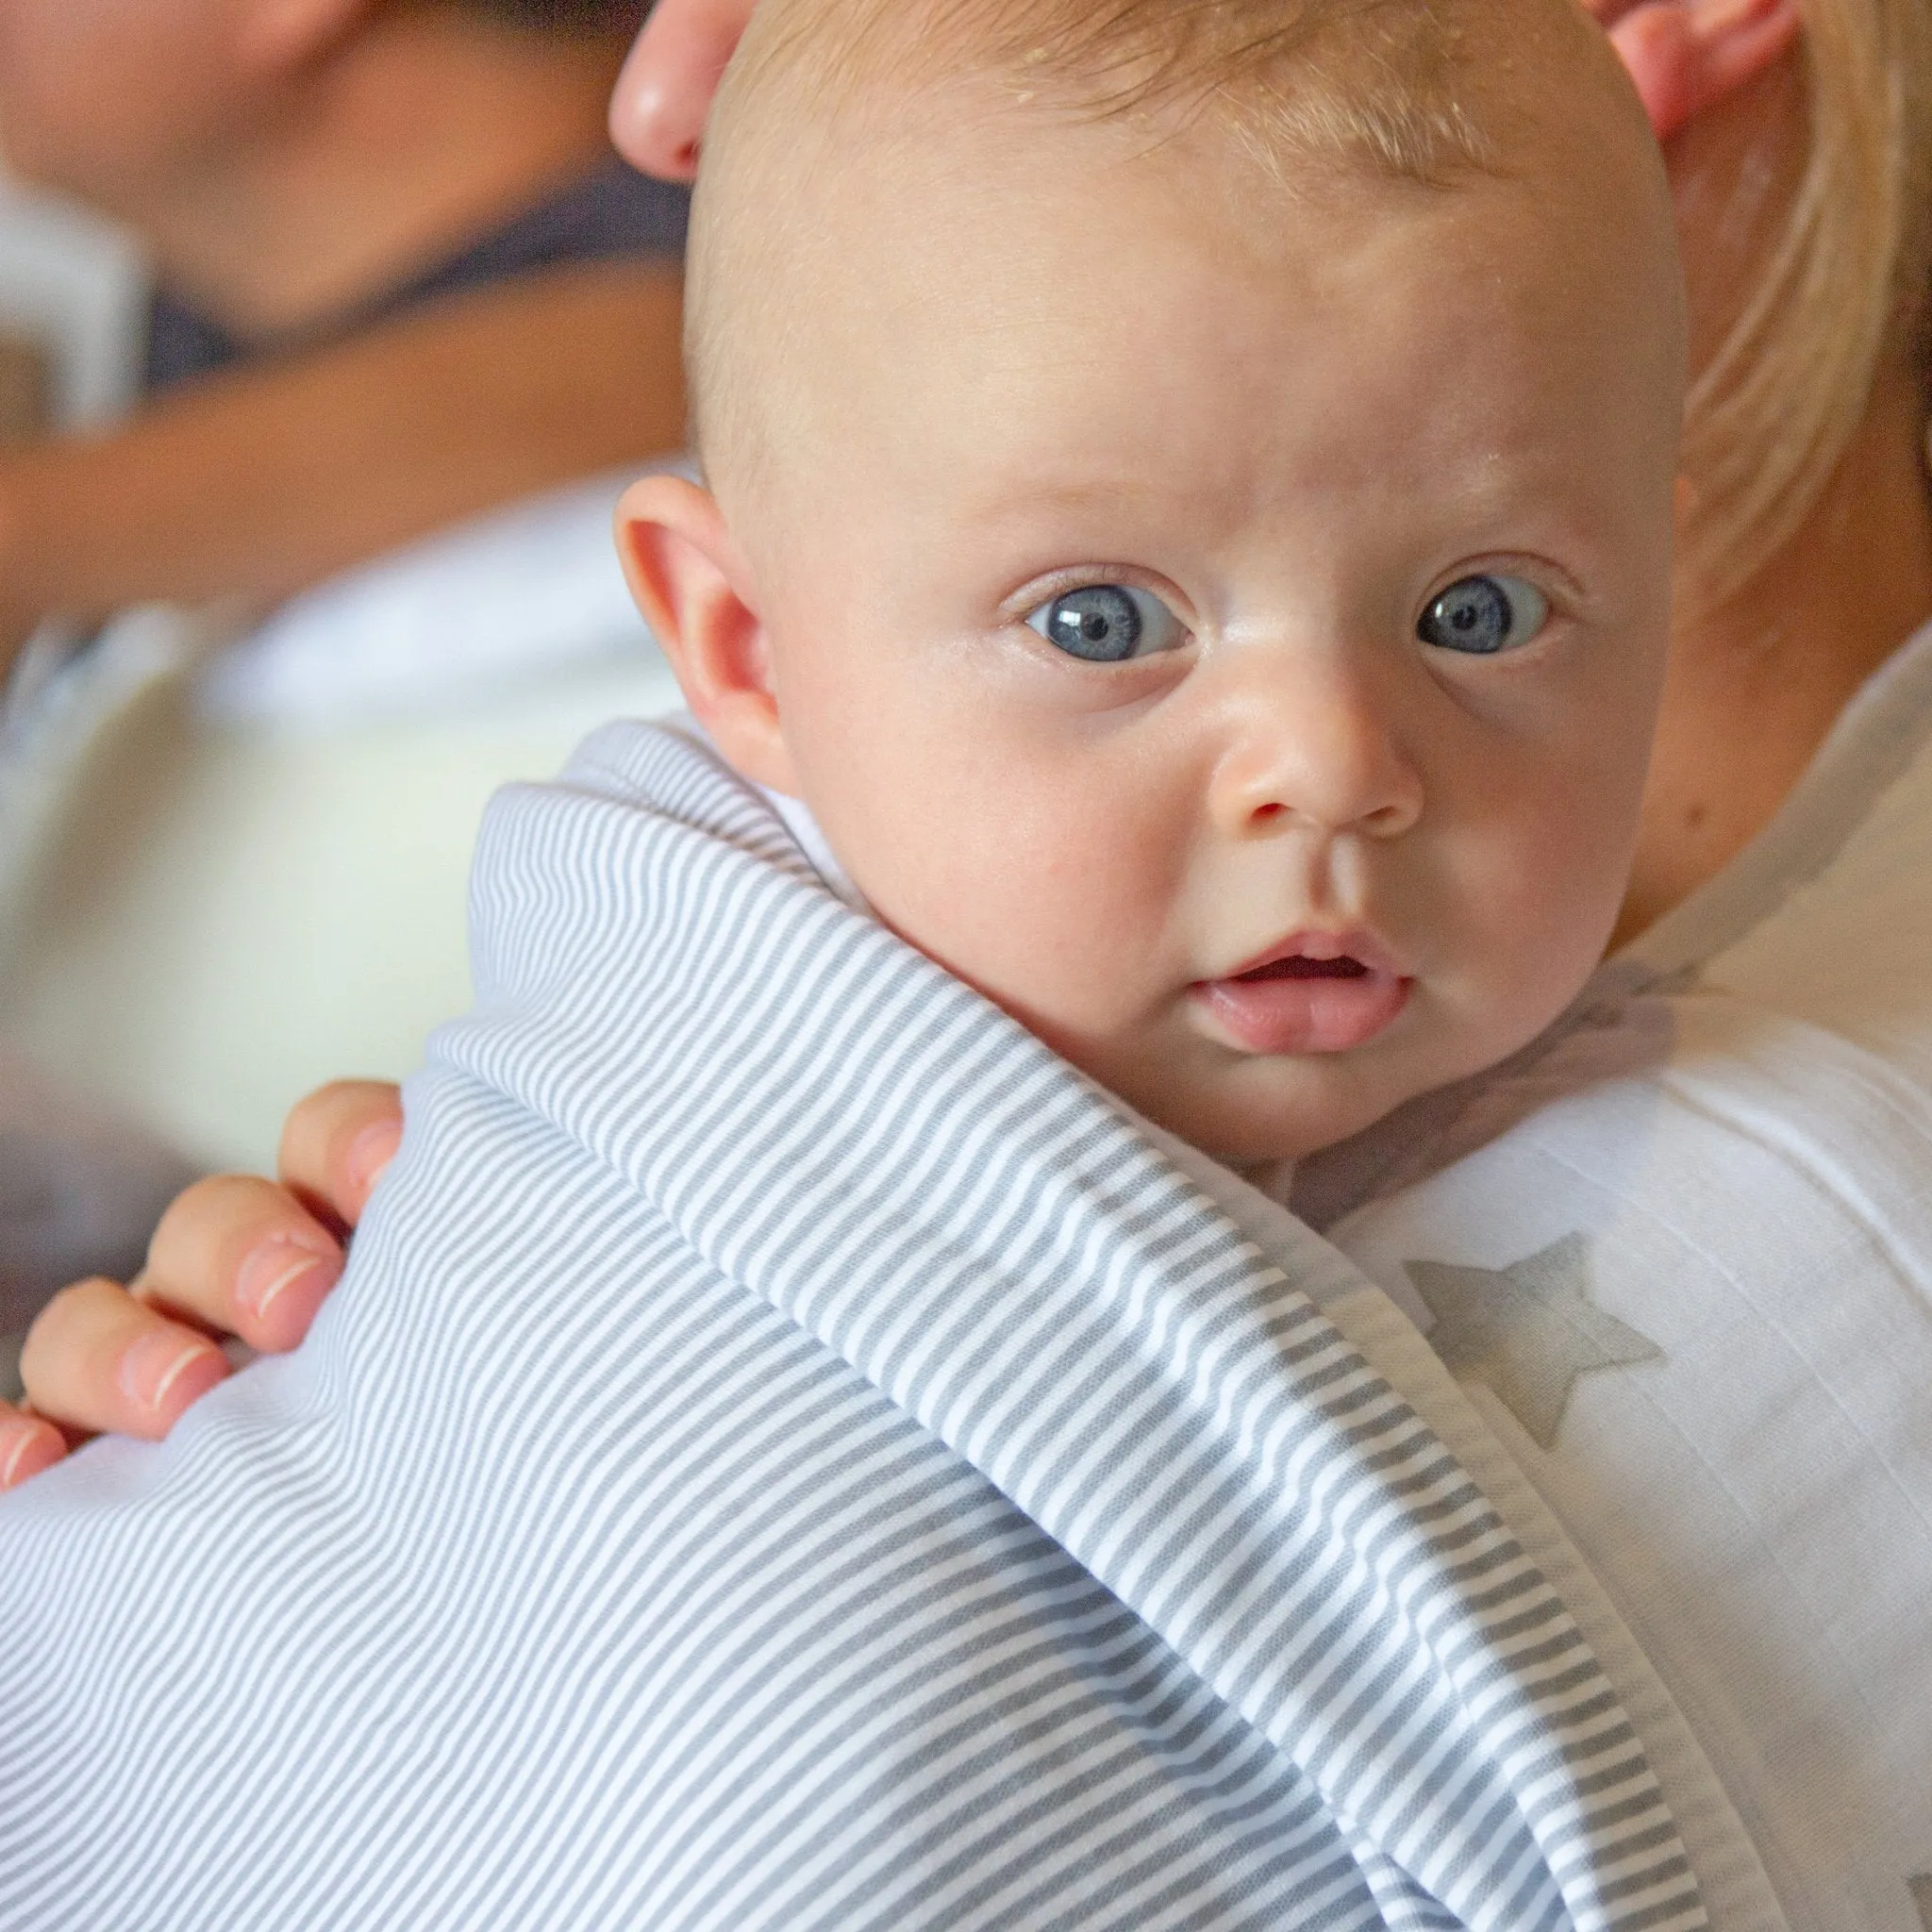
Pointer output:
x,y
1381,81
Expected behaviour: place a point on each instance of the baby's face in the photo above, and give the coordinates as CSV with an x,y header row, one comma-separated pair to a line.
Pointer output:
x,y
1223,629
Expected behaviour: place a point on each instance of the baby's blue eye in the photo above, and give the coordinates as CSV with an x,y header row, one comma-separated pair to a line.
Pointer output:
x,y
1108,623
1484,614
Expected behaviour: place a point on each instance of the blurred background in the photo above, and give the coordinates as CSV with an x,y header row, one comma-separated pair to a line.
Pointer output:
x,y
329,333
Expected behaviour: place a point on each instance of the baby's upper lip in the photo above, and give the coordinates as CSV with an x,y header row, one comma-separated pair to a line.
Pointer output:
x,y
1350,942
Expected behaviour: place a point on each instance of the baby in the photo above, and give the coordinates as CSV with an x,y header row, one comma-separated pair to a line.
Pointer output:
x,y
1188,513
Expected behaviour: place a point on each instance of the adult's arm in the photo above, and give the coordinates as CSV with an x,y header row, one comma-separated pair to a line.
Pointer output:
x,y
235,1255
257,484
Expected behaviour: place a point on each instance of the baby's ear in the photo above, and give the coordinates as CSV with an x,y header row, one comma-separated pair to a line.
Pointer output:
x,y
697,594
1686,56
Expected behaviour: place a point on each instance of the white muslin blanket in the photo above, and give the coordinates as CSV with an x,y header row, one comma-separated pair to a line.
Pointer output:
x,y
1680,1258
789,1453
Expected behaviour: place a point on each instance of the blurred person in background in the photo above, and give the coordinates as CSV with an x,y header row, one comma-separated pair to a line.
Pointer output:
x,y
399,278
306,178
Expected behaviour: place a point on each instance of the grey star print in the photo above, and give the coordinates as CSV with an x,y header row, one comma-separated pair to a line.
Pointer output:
x,y
1526,1331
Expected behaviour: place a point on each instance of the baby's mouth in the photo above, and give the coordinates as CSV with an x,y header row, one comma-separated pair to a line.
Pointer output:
x,y
1301,967
1313,993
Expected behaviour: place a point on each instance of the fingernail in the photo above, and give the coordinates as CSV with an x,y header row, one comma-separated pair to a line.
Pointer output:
x,y
267,1275
369,1152
159,1364
19,1441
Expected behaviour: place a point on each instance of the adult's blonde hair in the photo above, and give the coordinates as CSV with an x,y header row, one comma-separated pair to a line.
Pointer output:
x,y
1840,284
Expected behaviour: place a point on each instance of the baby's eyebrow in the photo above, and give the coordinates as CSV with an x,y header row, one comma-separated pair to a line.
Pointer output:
x,y
1027,487
1068,495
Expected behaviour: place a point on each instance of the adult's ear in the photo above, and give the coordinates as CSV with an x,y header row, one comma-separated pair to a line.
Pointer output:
x,y
1686,56
697,594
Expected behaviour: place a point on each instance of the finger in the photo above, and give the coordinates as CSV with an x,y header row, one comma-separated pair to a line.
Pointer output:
x,y
96,1359
240,1256
336,1142
662,96
28,1445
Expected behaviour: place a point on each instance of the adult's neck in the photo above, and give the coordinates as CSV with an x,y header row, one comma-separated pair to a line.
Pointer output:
x,y
1755,685
423,130
1754,688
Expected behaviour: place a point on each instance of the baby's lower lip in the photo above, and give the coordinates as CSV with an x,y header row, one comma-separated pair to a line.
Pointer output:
x,y
1305,1006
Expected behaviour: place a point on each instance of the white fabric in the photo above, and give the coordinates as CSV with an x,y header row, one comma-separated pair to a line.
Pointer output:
x,y
477,616
71,283
787,1452
1735,1139
219,888
82,1185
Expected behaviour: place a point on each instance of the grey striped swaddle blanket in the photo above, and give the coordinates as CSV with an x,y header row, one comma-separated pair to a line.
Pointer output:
x,y
789,1453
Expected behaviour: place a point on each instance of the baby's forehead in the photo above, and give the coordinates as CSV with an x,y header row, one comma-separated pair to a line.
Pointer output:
x,y
1250,117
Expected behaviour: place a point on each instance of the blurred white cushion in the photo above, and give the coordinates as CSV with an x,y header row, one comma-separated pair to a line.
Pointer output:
x,y
76,287
226,885
476,616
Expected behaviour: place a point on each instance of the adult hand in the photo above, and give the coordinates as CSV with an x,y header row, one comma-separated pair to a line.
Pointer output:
x,y
664,92
234,1256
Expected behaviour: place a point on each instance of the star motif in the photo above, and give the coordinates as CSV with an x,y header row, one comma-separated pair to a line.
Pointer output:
x,y
1526,1331
1922,1897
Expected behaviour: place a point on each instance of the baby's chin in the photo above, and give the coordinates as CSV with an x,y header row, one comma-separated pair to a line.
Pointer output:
x,y
1253,1111
1263,1111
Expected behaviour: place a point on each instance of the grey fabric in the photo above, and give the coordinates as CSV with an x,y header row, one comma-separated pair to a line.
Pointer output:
x,y
1526,1331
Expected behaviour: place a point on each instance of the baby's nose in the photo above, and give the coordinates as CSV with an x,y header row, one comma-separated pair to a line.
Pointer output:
x,y
1319,751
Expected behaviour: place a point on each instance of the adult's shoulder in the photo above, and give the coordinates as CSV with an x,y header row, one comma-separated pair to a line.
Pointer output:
x,y
1826,917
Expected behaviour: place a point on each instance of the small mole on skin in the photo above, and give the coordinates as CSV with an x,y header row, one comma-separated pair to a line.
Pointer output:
x,y
1695,816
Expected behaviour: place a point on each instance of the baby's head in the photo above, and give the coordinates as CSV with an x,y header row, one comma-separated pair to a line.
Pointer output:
x,y
1191,495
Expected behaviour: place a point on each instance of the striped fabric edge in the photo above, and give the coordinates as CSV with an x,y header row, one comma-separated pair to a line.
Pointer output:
x,y
983,1234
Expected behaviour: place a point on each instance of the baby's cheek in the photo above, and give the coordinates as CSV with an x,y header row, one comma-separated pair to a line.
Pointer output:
x,y
1545,904
1041,924
1046,902
1039,865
